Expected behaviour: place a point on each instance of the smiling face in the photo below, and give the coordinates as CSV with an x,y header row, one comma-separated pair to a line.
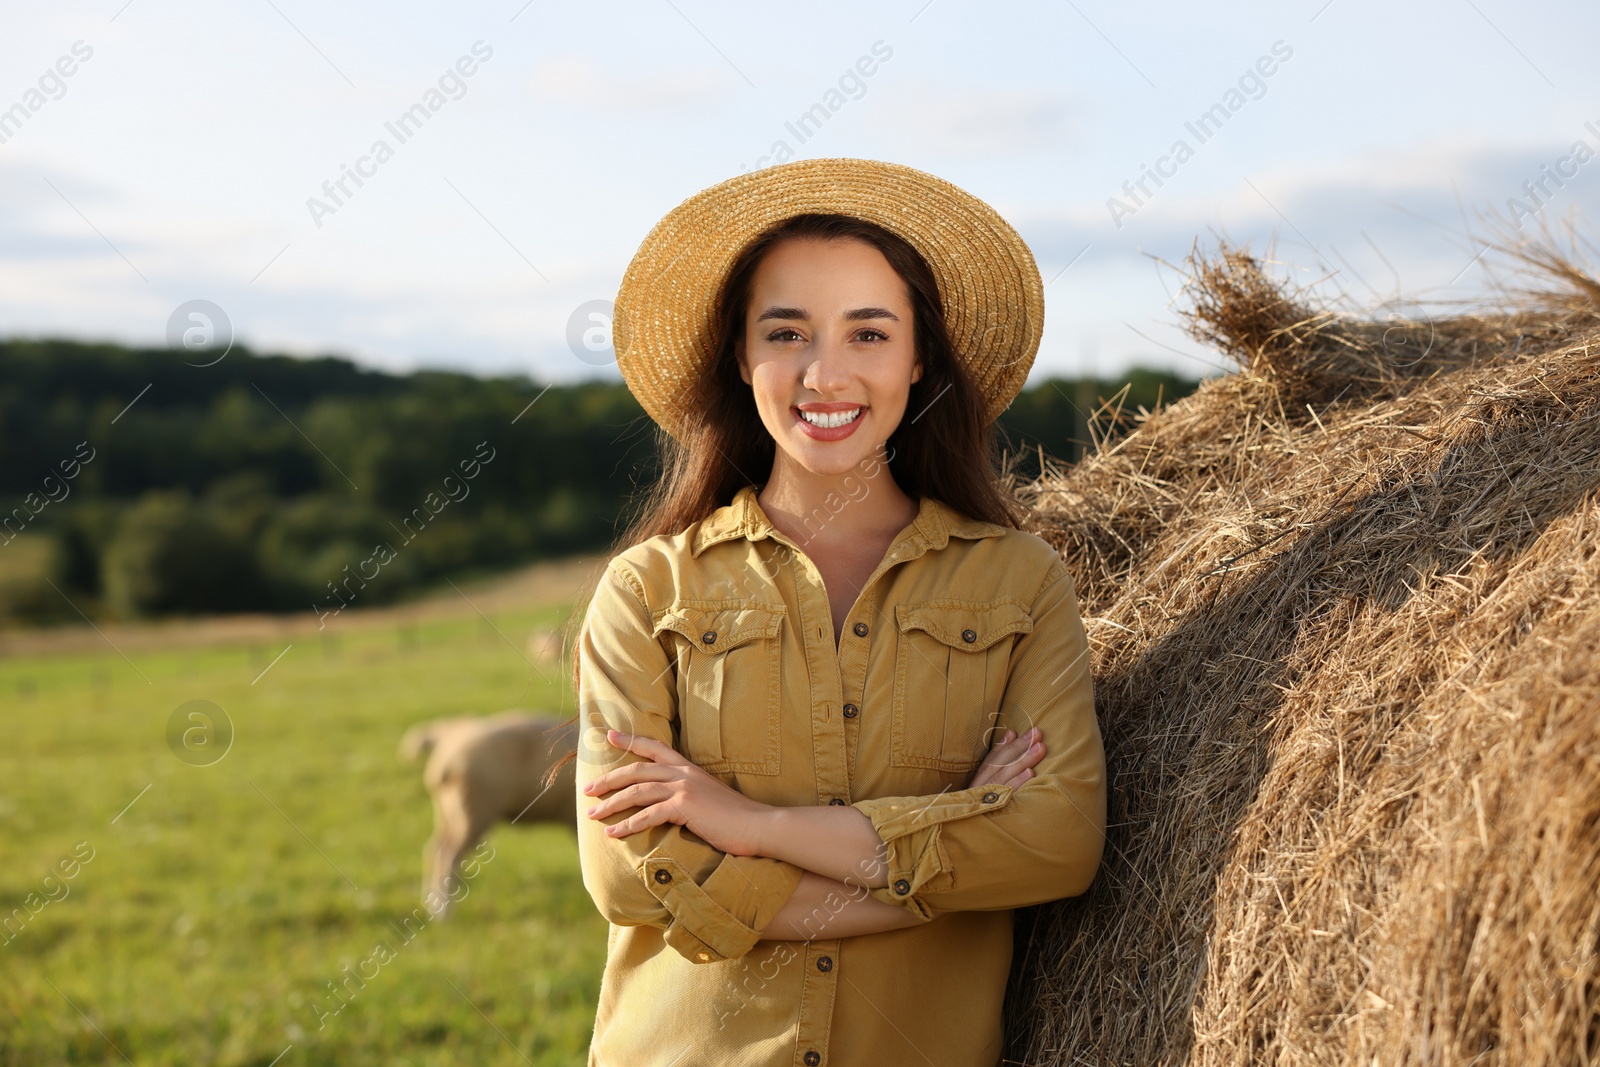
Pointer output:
x,y
828,351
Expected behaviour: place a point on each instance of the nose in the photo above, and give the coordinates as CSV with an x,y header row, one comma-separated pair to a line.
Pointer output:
x,y
829,371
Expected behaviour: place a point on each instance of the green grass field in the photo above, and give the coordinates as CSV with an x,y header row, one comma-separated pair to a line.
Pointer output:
x,y
219,902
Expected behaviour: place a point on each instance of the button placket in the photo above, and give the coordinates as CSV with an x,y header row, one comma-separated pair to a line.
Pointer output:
x,y
816,1018
821,656
855,657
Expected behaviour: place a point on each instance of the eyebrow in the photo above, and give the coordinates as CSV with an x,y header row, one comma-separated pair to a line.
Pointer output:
x,y
858,315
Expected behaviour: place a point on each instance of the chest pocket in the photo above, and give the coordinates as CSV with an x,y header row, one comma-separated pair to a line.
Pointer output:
x,y
729,685
951,663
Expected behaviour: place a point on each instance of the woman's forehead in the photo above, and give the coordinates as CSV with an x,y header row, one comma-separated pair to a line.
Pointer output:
x,y
842,278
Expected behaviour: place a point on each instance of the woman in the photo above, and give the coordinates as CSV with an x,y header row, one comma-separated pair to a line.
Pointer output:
x,y
816,682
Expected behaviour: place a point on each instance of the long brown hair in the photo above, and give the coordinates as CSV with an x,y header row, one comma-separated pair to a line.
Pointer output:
x,y
943,447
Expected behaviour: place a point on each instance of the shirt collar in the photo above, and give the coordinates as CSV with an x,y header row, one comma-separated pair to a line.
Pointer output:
x,y
934,525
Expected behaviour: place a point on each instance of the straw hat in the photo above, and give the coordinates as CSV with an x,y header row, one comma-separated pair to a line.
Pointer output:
x,y
664,326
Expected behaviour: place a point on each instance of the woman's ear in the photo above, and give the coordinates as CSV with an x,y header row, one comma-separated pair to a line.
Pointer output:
x,y
738,358
916,370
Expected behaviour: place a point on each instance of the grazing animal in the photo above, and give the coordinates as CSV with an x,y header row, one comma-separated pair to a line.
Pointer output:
x,y
484,769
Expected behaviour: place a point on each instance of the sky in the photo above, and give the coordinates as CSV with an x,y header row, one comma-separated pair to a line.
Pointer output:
x,y
194,151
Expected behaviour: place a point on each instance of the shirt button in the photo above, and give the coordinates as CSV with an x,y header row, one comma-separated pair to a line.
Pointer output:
x,y
851,711
825,964
663,876
709,637
990,798
836,800
703,957
969,636
861,629
813,1058
902,887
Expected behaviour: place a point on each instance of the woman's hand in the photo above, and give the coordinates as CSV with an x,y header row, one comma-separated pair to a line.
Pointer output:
x,y
1010,762
666,786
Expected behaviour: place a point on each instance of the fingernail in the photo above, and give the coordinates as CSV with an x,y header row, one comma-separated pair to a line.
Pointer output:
x,y
591,809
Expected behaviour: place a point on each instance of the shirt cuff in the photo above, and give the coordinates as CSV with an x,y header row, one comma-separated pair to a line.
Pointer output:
x,y
910,828
721,918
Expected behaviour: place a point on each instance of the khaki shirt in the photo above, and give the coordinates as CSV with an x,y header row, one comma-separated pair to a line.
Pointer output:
x,y
719,641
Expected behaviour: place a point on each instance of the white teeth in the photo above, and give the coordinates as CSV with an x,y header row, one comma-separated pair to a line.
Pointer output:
x,y
828,422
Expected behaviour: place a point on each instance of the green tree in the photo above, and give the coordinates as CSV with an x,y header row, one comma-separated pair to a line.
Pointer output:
x,y
171,555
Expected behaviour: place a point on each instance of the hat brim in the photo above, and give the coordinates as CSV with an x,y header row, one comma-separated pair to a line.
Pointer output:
x,y
665,316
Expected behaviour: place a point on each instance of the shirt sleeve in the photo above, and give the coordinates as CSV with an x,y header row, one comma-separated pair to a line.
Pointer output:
x,y
711,906
996,847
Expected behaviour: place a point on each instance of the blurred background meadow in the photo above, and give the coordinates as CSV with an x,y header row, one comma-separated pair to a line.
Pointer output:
x,y
316,439
219,894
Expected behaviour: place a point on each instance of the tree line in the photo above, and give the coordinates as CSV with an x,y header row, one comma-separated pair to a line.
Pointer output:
x,y
136,484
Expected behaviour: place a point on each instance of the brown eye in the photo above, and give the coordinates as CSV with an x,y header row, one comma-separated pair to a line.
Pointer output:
x,y
778,334
873,335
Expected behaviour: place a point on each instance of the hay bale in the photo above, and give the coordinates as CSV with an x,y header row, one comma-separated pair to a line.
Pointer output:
x,y
1345,612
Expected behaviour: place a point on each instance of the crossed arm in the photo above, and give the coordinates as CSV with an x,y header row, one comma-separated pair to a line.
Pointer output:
x,y
842,855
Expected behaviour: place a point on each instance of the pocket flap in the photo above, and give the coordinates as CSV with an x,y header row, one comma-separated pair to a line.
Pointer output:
x,y
968,627
720,629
